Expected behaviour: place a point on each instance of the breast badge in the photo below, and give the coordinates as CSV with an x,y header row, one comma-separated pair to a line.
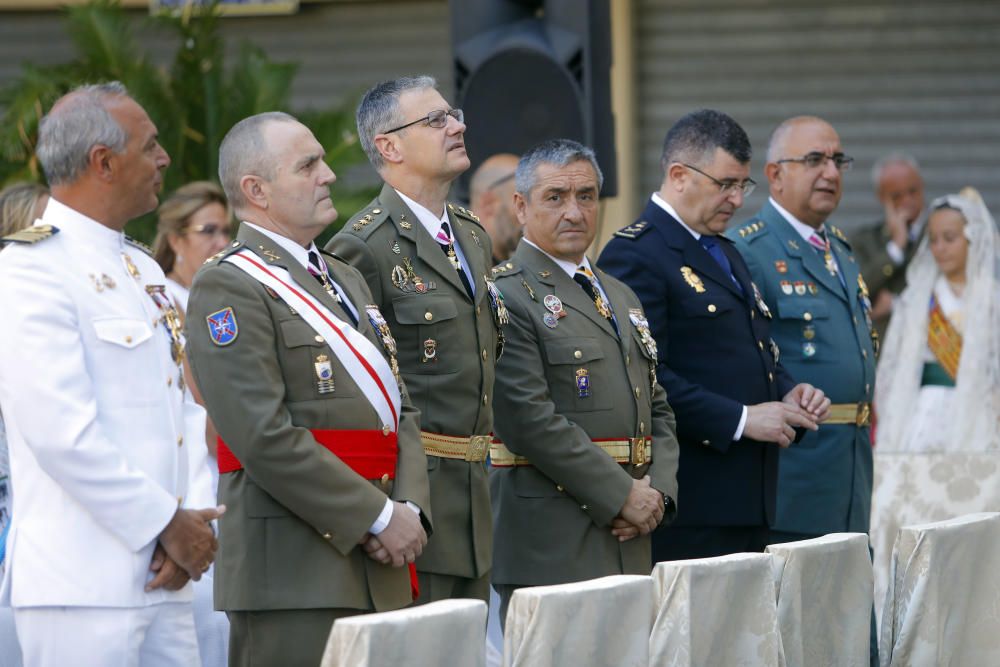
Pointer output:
x,y
103,282
430,350
554,305
808,349
800,287
781,266
583,383
786,287
692,279
222,327
324,374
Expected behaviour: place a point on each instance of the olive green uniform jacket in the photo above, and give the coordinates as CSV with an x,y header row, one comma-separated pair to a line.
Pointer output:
x,y
295,512
553,517
454,390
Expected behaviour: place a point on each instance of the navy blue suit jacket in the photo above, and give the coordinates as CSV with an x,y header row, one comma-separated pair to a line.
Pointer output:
x,y
715,356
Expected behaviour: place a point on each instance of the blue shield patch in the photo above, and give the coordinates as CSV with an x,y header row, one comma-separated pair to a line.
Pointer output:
x,y
222,326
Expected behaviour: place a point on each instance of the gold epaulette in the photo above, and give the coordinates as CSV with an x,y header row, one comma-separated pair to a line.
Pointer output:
x,y
138,244
365,220
633,231
30,235
749,229
464,212
504,268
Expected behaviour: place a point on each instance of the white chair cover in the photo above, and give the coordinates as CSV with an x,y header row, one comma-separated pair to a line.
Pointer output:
x,y
824,599
943,600
597,623
449,632
716,611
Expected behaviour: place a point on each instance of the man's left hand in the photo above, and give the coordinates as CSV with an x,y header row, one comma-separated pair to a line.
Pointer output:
x,y
811,399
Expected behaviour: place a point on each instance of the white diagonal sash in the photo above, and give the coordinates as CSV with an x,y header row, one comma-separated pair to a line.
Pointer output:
x,y
363,361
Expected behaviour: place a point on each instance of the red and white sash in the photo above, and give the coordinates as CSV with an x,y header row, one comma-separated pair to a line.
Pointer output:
x,y
363,360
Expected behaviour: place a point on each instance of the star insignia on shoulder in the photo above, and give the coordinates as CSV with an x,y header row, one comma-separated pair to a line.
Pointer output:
x,y
836,232
30,235
502,268
633,230
750,228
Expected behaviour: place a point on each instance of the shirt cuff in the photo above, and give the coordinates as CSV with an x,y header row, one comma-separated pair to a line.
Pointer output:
x,y
895,254
741,426
386,515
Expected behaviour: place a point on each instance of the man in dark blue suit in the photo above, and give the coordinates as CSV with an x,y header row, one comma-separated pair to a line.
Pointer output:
x,y
735,404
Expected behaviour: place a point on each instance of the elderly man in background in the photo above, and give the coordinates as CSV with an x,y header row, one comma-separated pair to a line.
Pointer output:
x,y
491,195
427,263
320,454
107,449
883,249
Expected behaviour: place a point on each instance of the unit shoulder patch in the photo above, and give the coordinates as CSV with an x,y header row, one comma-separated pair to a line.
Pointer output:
x,y
633,231
31,235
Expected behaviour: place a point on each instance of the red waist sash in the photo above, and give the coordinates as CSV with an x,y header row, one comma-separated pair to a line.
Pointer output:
x,y
371,454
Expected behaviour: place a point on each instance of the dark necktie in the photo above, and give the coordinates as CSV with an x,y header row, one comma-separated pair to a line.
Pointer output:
x,y
447,243
317,269
710,244
586,280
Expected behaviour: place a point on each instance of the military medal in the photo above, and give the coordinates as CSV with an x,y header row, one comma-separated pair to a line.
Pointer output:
x,y
399,277
761,305
385,337
808,331
418,283
800,287
692,279
781,266
786,287
550,320
812,288
133,270
324,374
775,351
430,350
582,383
554,305
808,349
641,324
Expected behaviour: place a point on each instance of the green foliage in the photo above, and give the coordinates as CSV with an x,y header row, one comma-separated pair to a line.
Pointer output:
x,y
193,102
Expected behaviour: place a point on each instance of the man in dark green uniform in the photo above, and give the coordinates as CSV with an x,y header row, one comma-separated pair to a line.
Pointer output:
x,y
427,263
588,461
322,468
883,249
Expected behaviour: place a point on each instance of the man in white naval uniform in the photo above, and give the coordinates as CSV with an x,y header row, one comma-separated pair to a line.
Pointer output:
x,y
107,449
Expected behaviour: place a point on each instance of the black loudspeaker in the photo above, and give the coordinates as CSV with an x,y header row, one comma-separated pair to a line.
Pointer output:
x,y
531,70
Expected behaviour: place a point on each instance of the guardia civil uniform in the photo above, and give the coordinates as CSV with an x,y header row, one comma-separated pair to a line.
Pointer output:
x,y
580,415
823,330
297,429
105,445
448,342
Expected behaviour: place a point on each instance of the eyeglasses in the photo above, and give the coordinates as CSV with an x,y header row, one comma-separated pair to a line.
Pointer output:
x,y
437,119
212,230
727,187
816,159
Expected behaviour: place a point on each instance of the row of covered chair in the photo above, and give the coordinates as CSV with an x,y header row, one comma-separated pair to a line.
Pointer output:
x,y
798,604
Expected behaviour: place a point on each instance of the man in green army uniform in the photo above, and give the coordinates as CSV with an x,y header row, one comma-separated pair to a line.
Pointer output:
x,y
588,461
883,250
428,263
322,468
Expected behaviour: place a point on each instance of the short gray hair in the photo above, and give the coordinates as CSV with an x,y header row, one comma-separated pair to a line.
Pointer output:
x,y
244,151
896,157
558,152
76,123
378,111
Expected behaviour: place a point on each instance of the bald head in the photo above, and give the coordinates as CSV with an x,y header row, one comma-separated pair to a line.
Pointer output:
x,y
802,170
491,197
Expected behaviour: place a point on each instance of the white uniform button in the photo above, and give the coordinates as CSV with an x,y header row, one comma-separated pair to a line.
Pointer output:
x,y
428,316
770,377
486,399
864,353
180,440
319,339
559,488
712,308
385,430
327,536
128,339
807,317
484,354
706,443
637,392
479,309
577,354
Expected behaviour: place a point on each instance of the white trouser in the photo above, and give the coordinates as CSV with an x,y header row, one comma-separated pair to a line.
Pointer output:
x,y
160,635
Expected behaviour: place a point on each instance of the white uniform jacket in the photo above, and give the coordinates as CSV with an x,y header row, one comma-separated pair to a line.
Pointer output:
x,y
104,440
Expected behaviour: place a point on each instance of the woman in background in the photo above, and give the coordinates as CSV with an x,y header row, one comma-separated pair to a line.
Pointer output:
x,y
194,223
20,205
937,453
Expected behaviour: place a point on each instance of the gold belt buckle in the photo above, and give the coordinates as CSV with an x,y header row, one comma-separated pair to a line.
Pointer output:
x,y
864,414
478,446
637,447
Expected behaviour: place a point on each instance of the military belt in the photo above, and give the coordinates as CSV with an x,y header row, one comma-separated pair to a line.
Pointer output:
x,y
859,414
637,451
472,448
